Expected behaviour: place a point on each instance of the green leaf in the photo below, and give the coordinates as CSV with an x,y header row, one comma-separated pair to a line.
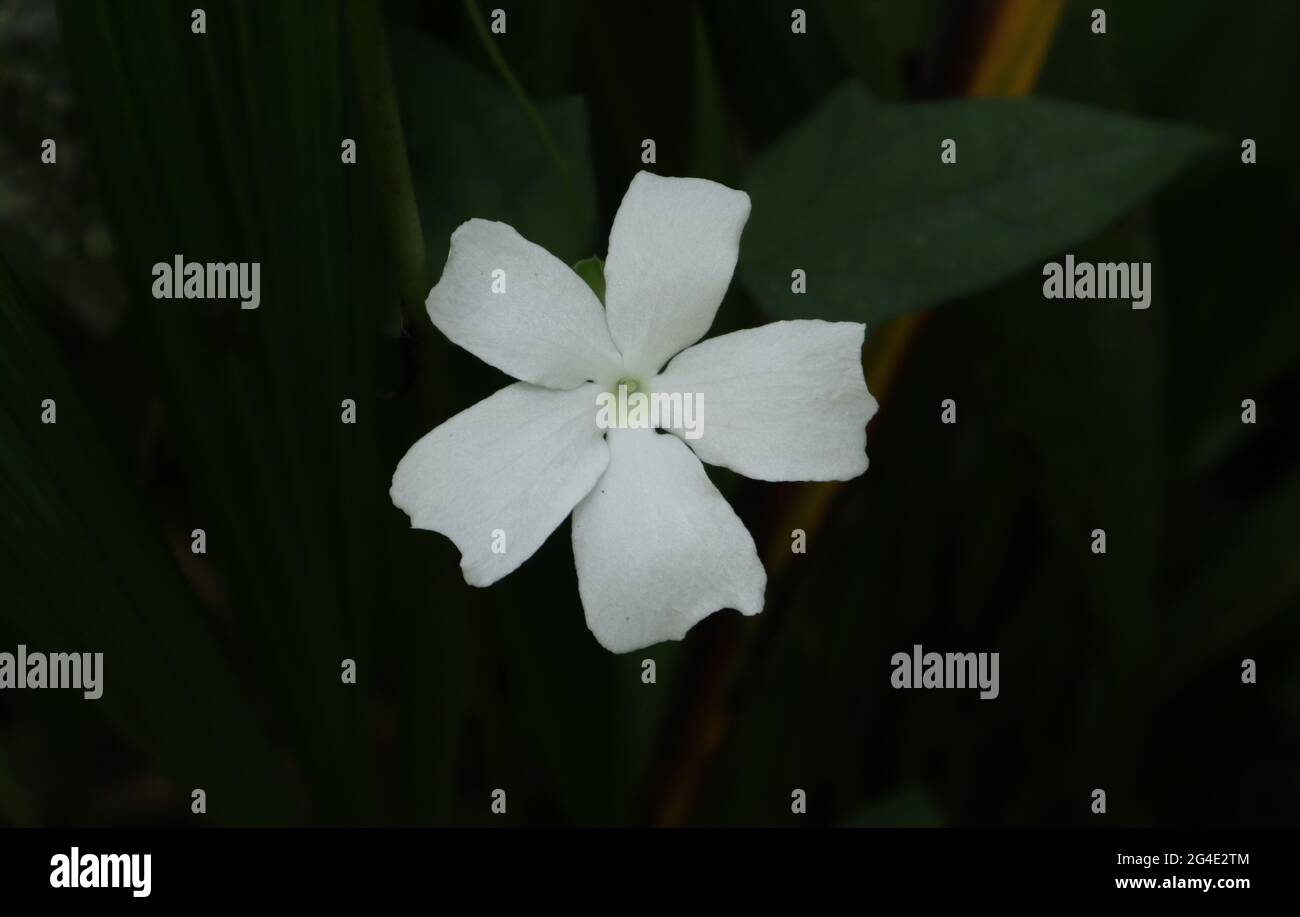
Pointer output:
x,y
475,153
858,198
592,270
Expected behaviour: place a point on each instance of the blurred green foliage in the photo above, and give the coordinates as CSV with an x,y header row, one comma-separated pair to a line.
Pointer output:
x,y
859,198
222,671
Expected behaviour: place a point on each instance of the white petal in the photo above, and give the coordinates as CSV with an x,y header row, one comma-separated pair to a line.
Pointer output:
x,y
657,547
503,474
784,402
545,327
672,251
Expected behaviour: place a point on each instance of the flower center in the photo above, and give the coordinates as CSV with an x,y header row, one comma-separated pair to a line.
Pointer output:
x,y
633,385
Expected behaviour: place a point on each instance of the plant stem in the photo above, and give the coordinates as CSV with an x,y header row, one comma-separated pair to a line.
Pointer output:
x,y
387,146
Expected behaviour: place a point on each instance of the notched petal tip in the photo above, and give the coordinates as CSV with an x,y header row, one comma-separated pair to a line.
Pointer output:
x,y
621,648
657,548
479,579
499,477
873,406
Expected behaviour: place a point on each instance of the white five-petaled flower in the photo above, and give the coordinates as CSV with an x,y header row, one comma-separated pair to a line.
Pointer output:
x,y
657,548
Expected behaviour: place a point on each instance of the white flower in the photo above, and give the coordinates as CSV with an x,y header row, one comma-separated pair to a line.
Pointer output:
x,y
656,546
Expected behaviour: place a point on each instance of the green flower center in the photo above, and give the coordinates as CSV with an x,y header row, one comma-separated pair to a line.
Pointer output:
x,y
633,385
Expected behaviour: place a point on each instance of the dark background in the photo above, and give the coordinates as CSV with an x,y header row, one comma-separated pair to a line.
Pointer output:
x,y
222,671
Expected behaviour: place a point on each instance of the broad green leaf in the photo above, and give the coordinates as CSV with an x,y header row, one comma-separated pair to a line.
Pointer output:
x,y
474,153
858,198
